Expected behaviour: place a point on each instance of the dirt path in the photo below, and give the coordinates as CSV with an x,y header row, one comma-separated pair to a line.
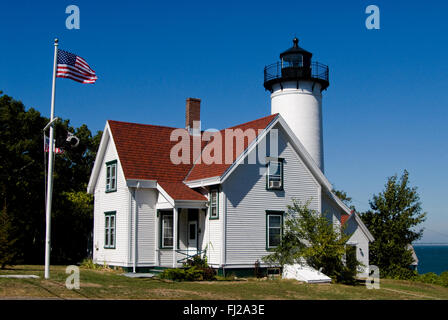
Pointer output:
x,y
411,293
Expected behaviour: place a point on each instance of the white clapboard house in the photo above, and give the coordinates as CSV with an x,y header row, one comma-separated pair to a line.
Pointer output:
x,y
159,199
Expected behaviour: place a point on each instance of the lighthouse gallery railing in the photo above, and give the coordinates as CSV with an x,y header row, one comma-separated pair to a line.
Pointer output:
x,y
318,71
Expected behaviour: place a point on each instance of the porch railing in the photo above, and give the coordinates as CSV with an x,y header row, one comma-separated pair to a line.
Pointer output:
x,y
188,255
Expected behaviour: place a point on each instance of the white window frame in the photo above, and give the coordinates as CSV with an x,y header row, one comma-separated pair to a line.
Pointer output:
x,y
111,179
278,177
270,214
214,205
110,235
163,238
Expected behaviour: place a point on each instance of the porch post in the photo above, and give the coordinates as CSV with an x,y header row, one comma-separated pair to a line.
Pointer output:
x,y
175,231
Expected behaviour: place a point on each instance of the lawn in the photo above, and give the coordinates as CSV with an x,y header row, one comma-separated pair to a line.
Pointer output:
x,y
111,284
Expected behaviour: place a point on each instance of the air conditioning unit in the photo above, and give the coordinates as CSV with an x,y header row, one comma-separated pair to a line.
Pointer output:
x,y
275,184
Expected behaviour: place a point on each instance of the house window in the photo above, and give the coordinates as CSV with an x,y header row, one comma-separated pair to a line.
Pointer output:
x,y
274,226
167,230
214,204
275,175
109,230
111,176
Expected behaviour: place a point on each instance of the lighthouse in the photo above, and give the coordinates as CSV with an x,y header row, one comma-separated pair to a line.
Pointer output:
x,y
296,84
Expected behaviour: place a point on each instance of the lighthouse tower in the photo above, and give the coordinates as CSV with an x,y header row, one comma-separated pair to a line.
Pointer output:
x,y
296,84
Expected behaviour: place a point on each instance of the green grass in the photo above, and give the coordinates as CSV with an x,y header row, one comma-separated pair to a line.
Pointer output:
x,y
109,284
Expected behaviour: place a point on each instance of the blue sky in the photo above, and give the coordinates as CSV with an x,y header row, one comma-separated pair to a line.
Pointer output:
x,y
385,109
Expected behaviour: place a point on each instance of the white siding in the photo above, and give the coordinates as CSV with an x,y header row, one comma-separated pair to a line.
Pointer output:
x,y
114,201
248,200
212,234
166,257
362,244
331,210
146,217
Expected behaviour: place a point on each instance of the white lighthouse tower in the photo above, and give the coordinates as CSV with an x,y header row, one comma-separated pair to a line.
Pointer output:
x,y
296,86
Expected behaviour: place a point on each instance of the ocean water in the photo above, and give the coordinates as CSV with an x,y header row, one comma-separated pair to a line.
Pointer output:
x,y
432,258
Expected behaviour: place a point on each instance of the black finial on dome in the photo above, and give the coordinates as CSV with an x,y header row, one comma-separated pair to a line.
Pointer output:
x,y
296,42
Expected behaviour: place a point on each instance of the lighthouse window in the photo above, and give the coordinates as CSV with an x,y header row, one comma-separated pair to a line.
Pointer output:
x,y
292,60
275,175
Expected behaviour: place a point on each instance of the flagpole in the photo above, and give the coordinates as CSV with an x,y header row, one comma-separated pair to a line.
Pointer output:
x,y
50,169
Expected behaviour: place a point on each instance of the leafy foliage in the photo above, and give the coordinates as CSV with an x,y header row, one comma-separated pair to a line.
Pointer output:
x,y
22,184
7,240
433,278
195,269
394,214
188,274
312,239
345,198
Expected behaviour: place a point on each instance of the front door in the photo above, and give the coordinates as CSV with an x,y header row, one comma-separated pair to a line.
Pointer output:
x,y
192,237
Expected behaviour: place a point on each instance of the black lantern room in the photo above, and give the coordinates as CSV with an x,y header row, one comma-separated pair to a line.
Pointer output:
x,y
295,65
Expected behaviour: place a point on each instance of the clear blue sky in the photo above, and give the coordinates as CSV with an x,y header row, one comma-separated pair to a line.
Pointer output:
x,y
385,109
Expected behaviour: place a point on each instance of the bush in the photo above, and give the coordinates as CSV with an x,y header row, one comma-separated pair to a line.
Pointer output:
x,y
399,273
433,278
188,274
193,274
196,261
444,278
89,264
309,238
195,269
429,277
208,274
173,274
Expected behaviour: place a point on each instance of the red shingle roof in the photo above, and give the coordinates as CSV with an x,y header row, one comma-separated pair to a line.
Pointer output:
x,y
344,218
203,170
144,152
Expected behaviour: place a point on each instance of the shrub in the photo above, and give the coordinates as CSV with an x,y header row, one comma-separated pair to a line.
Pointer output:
x,y
400,273
196,261
429,277
173,274
444,278
89,264
193,274
309,238
194,269
208,274
200,265
433,278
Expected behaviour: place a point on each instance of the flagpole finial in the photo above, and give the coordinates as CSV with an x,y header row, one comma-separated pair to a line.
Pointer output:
x,y
56,41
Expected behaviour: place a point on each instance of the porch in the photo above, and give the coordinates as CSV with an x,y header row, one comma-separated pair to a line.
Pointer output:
x,y
180,235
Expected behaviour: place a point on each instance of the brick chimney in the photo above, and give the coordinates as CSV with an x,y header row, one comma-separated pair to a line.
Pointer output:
x,y
193,114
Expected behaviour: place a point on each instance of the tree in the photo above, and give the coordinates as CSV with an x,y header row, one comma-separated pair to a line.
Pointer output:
x,y
22,184
344,198
394,214
8,252
311,238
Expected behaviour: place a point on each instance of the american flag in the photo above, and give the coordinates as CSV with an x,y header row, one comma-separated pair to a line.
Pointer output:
x,y
74,67
47,146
